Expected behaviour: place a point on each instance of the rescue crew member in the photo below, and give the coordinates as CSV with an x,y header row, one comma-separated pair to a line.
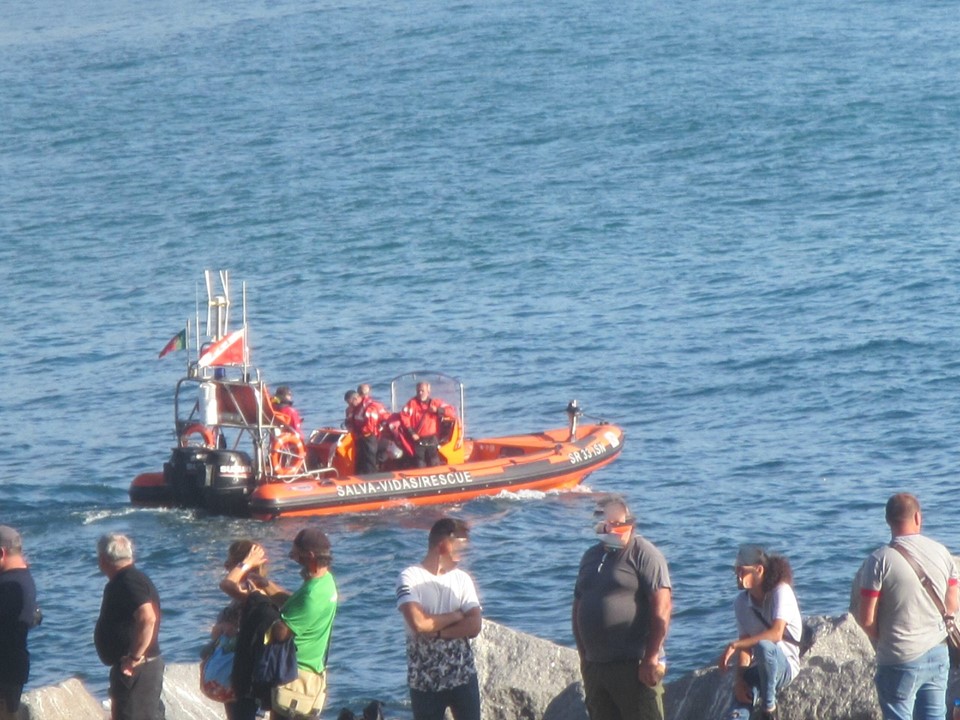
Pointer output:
x,y
363,418
421,418
283,404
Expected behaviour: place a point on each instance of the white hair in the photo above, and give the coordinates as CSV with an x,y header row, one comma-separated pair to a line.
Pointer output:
x,y
115,548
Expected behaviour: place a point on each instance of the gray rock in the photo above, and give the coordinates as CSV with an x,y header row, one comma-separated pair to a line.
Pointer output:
x,y
70,700
525,677
67,701
182,697
835,680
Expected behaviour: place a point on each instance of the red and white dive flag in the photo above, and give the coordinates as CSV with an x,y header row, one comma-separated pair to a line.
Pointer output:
x,y
226,351
177,342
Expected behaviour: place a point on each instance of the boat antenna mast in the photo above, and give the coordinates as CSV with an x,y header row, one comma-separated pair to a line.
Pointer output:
x,y
218,305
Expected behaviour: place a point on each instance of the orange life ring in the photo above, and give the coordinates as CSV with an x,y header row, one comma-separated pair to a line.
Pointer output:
x,y
287,454
206,434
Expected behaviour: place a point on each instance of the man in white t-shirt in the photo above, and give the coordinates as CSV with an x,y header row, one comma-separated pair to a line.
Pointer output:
x,y
442,612
766,653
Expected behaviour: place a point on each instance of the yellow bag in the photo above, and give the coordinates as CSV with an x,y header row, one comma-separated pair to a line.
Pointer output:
x,y
303,697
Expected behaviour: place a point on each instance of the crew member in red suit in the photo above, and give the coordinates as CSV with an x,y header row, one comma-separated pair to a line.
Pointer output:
x,y
283,404
421,419
363,418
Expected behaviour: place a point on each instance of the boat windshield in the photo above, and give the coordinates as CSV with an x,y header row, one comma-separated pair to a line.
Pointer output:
x,y
443,387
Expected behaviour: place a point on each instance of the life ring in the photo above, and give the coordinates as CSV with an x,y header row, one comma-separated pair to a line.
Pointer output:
x,y
204,431
287,454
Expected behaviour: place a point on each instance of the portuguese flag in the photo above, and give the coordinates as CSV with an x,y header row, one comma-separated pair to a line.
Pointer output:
x,y
177,342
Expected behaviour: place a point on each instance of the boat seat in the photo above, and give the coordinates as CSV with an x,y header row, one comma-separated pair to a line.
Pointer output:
x,y
239,406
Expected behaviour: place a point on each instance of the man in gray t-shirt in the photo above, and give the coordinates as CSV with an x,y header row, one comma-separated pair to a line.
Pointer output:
x,y
899,615
621,612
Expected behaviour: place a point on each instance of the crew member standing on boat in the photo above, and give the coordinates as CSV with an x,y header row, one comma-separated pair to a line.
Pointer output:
x,y
421,419
283,404
364,415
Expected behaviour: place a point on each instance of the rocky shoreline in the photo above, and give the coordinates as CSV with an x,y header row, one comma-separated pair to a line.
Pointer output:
x,y
526,677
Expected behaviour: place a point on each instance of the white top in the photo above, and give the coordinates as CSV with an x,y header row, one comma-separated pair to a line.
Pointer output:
x,y
434,664
778,604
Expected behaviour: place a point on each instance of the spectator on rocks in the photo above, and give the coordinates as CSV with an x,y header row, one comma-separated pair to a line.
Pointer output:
x,y
621,613
308,616
767,653
127,633
442,612
901,617
18,613
246,574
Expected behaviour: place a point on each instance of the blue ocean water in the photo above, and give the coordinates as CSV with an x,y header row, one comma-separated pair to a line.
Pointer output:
x,y
730,229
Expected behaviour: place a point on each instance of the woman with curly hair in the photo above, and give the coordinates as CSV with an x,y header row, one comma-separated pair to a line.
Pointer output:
x,y
767,653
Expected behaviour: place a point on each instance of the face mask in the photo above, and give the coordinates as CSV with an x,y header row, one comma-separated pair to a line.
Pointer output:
x,y
616,537
611,541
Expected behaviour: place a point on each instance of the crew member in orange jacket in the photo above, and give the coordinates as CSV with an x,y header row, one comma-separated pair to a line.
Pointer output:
x,y
421,418
283,404
363,418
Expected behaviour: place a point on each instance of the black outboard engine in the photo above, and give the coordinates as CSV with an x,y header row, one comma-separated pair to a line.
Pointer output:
x,y
219,481
229,483
186,474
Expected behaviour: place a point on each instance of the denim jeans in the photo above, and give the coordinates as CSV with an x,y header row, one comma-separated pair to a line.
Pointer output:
x,y
463,701
769,672
916,690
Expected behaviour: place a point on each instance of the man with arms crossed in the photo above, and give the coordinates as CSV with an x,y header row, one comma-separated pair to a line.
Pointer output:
x,y
442,612
127,632
900,617
621,612
18,613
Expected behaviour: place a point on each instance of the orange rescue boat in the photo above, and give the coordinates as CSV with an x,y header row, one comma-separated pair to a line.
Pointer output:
x,y
237,454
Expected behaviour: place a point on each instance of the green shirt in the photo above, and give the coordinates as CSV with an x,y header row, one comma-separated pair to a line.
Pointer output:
x,y
309,615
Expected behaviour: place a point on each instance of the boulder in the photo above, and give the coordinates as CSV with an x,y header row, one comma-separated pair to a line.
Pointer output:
x,y
182,697
524,677
835,680
67,701
70,700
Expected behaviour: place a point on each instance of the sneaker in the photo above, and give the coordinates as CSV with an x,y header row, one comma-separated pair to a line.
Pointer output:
x,y
767,714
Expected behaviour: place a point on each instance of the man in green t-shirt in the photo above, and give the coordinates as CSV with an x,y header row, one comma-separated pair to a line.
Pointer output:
x,y
308,616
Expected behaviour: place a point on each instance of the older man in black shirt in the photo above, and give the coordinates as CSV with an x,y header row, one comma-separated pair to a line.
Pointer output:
x,y
18,613
127,632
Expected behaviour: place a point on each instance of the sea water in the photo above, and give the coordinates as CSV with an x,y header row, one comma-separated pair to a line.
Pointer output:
x,y
729,228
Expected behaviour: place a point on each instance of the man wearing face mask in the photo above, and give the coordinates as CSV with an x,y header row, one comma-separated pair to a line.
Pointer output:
x,y
621,612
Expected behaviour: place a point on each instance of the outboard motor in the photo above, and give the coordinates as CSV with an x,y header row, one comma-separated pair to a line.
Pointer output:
x,y
229,480
186,475
573,413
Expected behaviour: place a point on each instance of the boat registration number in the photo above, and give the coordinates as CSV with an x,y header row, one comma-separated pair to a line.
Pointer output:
x,y
587,453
